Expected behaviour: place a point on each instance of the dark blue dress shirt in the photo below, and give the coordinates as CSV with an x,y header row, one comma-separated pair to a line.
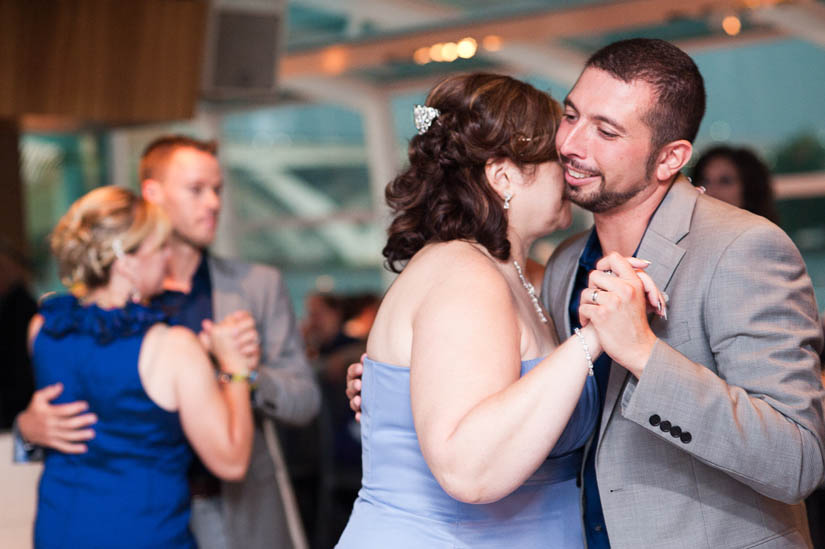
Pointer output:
x,y
594,527
190,310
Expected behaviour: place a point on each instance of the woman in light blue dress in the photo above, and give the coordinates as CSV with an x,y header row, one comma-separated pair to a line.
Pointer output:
x,y
474,417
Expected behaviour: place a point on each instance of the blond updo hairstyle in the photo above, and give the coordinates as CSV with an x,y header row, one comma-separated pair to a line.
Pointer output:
x,y
84,240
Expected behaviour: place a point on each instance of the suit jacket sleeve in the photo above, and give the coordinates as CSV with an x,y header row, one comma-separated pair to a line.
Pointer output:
x,y
23,452
758,415
287,390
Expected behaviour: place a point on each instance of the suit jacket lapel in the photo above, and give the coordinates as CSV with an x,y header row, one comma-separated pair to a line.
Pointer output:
x,y
669,224
561,300
219,274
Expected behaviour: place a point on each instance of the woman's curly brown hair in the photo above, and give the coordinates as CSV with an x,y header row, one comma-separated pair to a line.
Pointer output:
x,y
444,194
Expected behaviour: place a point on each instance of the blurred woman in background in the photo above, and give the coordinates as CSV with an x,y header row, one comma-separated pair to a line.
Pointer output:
x,y
151,386
739,177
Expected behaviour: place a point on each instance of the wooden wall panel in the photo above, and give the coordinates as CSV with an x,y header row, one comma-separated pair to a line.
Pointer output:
x,y
101,60
12,229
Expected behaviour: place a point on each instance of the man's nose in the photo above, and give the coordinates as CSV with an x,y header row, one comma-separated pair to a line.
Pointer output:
x,y
213,200
572,143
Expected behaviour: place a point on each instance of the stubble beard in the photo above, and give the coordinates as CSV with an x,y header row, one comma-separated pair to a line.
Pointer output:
x,y
601,200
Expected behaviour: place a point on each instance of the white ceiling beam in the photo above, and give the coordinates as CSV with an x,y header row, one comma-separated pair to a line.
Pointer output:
x,y
805,20
555,62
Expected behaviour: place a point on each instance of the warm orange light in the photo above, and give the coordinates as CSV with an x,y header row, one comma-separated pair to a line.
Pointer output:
x,y
449,52
435,52
467,47
334,60
491,42
422,55
731,25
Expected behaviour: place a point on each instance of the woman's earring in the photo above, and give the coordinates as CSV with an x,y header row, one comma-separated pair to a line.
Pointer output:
x,y
507,197
134,296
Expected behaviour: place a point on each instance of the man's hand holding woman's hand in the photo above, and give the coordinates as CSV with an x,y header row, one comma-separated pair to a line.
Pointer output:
x,y
234,342
616,302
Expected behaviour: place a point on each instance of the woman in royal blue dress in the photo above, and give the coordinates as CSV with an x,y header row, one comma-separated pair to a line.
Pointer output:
x,y
151,386
473,415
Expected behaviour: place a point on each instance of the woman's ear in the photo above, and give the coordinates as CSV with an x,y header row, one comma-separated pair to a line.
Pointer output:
x,y
500,175
126,267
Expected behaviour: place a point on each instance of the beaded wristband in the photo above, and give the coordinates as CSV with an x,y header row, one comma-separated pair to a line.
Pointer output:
x,y
251,377
586,351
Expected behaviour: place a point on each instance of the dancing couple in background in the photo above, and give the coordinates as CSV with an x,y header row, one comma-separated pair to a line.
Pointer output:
x,y
702,425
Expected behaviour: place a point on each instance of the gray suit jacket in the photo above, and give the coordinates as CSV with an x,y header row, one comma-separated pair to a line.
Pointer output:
x,y
736,369
258,510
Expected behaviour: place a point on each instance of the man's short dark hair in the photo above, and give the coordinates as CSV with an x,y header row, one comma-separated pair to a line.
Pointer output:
x,y
157,153
675,78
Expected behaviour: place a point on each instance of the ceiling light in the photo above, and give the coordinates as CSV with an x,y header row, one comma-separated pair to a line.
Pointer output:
x,y
449,51
422,55
731,25
467,47
491,43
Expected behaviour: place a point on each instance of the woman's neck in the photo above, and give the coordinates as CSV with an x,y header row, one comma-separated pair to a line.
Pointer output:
x,y
114,295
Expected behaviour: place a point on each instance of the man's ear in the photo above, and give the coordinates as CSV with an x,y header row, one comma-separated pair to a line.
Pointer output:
x,y
152,190
499,173
672,158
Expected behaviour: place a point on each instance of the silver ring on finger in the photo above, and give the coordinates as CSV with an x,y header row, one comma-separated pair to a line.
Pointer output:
x,y
594,297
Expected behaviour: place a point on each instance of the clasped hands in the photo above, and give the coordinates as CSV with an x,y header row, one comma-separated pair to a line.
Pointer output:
x,y
234,342
617,300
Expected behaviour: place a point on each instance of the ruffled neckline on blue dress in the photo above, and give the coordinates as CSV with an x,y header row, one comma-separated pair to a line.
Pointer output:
x,y
64,315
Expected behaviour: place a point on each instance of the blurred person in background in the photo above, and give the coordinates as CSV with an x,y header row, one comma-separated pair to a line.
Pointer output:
x,y
152,386
737,176
17,307
183,176
327,468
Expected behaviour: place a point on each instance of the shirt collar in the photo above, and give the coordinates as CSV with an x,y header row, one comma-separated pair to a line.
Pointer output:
x,y
592,252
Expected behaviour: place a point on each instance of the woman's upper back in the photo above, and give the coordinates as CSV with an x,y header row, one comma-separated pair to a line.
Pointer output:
x,y
439,276
94,353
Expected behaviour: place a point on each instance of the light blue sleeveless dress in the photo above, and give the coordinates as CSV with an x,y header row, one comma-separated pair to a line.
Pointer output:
x,y
401,505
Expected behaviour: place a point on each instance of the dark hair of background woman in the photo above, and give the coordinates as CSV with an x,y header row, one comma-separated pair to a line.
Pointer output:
x,y
443,195
757,192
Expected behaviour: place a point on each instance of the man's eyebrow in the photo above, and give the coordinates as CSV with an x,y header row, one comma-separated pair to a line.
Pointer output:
x,y
600,117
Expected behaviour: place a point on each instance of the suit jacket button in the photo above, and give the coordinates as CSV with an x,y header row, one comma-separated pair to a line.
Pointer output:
x,y
675,431
665,426
654,420
686,437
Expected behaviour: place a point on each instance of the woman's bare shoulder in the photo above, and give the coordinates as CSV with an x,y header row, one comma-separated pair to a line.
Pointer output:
x,y
454,258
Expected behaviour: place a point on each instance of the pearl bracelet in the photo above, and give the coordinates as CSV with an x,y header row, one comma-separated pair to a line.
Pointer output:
x,y
586,351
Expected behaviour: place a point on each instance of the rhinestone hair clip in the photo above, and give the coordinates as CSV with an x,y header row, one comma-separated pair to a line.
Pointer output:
x,y
423,117
117,248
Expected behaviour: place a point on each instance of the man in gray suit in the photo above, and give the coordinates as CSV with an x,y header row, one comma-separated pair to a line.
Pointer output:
x,y
183,175
711,431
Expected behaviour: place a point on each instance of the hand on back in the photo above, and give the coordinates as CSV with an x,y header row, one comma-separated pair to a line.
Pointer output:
x,y
63,427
